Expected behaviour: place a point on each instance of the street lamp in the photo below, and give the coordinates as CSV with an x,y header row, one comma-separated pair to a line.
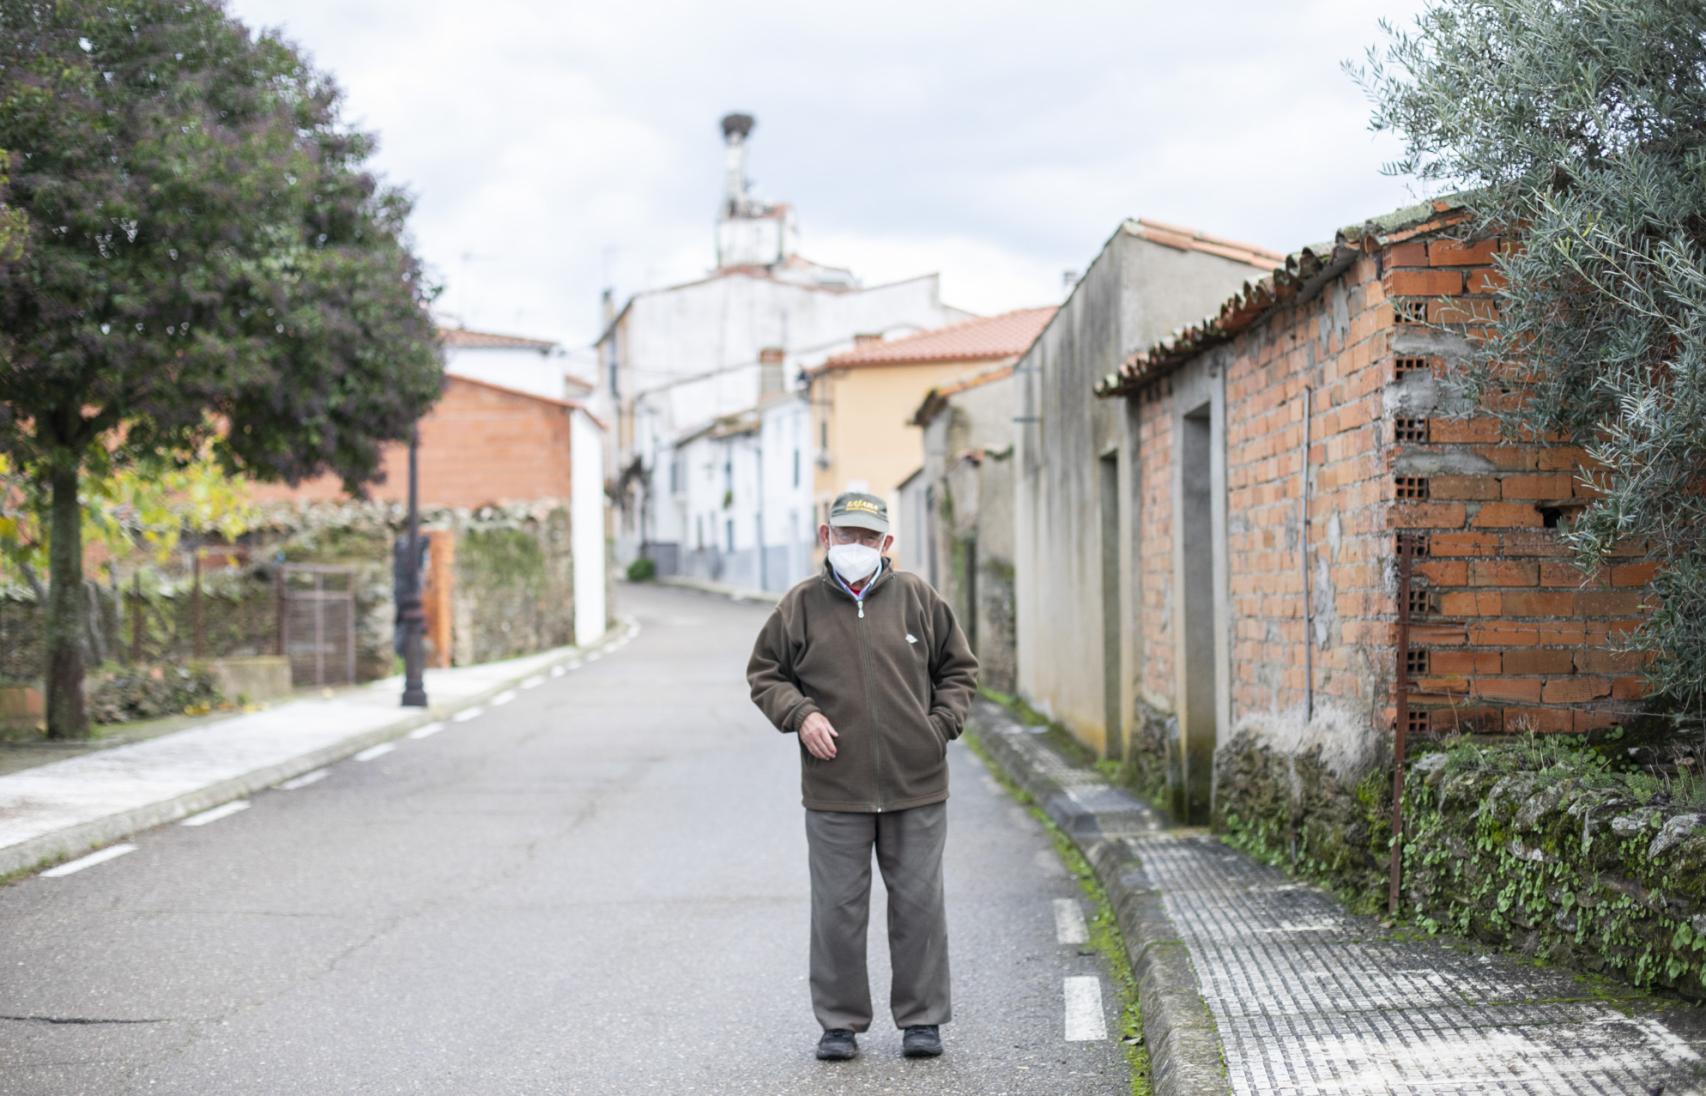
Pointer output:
x,y
414,688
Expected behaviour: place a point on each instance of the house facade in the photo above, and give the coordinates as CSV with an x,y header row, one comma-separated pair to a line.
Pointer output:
x,y
863,402
676,360
1077,463
1285,445
960,503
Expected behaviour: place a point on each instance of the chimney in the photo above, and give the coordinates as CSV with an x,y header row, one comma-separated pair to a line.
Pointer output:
x,y
736,128
770,370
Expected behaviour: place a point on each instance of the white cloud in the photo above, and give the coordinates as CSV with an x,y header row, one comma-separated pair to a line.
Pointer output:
x,y
556,149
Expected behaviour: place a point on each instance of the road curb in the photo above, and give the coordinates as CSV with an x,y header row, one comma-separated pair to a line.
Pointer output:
x,y
28,857
1110,827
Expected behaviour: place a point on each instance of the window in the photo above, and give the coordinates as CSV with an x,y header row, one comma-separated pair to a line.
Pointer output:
x,y
796,467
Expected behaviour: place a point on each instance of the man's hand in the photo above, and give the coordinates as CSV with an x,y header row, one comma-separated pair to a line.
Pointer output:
x,y
819,736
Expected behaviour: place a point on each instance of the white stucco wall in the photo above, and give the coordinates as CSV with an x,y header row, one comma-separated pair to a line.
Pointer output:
x,y
586,517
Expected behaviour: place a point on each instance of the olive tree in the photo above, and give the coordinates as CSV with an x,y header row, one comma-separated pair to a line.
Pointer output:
x,y
1579,128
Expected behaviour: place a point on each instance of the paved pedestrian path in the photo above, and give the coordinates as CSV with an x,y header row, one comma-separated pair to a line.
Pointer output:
x,y
1307,998
65,807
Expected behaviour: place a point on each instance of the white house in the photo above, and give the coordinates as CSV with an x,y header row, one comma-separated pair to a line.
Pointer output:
x,y
676,363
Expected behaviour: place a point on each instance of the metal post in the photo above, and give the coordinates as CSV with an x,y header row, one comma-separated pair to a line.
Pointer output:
x,y
136,610
1303,537
196,639
414,688
1400,731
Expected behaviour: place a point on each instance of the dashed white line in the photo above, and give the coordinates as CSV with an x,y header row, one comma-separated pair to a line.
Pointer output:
x,y
532,682
109,853
376,751
305,779
427,730
223,811
503,698
559,670
468,713
1084,1019
1069,927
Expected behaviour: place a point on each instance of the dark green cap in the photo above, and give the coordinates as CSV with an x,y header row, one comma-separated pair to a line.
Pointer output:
x,y
857,508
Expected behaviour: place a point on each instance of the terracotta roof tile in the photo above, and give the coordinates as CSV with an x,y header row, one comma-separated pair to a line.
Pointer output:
x,y
461,338
984,339
1296,277
1189,239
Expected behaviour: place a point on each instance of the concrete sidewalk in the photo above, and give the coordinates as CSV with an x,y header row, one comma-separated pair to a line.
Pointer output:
x,y
1253,983
65,808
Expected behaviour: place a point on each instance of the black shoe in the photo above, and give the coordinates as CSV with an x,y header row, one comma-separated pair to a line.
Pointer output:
x,y
921,1041
838,1045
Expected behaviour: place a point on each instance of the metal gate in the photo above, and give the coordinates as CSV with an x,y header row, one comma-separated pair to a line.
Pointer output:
x,y
317,623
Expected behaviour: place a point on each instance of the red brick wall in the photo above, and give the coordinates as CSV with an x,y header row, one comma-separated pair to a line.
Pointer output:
x,y
1513,634
479,445
1155,541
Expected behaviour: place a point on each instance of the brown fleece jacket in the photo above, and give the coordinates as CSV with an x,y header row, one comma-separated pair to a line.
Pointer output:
x,y
895,679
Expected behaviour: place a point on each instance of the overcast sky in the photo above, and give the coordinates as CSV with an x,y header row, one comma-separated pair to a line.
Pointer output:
x,y
557,148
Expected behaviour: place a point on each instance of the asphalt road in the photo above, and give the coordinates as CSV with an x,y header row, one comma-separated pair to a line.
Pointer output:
x,y
598,887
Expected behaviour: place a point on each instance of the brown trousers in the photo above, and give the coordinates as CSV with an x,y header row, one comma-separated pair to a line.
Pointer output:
x,y
908,845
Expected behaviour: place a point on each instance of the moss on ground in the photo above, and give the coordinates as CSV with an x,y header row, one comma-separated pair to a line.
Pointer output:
x,y
1105,935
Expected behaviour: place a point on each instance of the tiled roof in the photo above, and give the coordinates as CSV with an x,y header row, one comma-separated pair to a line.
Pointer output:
x,y
937,398
985,339
1189,239
463,339
1294,278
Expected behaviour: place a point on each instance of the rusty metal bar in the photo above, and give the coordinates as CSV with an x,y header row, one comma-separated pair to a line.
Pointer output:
x,y
1303,536
137,606
196,637
1401,729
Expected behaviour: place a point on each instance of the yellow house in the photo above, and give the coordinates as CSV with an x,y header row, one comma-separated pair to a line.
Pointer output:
x,y
863,400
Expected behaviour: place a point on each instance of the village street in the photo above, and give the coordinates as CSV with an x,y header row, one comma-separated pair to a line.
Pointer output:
x,y
599,887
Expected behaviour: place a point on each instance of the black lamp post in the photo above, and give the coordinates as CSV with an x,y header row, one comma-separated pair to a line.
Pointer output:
x,y
414,688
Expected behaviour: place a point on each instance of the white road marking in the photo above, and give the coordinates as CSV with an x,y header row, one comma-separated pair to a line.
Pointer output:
x,y
109,853
223,811
559,671
1084,1020
1069,927
305,779
595,656
376,751
468,713
532,682
503,698
427,730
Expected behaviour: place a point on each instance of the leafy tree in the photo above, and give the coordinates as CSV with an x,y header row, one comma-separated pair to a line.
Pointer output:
x,y
208,263
1580,127
11,221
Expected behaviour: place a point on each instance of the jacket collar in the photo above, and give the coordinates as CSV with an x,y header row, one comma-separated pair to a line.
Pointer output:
x,y
833,581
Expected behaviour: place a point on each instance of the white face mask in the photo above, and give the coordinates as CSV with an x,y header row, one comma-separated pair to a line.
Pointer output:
x,y
854,562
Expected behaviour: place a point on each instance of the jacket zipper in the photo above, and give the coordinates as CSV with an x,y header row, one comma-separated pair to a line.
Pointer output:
x,y
870,699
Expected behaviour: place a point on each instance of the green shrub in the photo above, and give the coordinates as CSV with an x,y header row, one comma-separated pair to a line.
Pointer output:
x,y
149,692
642,570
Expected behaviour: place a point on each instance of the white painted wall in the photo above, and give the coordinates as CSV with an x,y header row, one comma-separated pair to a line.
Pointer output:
x,y
690,354
542,373
586,519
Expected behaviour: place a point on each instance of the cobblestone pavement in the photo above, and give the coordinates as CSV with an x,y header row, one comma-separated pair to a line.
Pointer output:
x,y
1310,999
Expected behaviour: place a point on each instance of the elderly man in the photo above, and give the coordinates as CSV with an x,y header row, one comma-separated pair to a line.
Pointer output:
x,y
868,667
